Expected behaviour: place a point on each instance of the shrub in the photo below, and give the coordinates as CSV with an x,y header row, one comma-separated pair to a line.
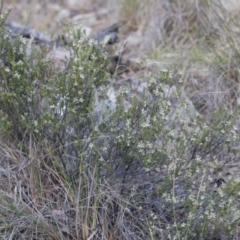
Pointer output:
x,y
73,169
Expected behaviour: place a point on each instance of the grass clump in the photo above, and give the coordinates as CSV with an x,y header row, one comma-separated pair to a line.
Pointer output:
x,y
151,168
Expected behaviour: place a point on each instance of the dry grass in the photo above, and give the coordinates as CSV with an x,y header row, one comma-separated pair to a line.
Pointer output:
x,y
38,202
198,41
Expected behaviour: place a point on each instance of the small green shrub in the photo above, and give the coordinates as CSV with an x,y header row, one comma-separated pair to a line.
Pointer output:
x,y
73,169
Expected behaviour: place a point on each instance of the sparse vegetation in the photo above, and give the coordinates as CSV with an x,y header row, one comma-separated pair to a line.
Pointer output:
x,y
154,166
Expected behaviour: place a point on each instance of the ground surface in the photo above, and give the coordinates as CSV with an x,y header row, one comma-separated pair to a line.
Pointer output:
x,y
156,36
